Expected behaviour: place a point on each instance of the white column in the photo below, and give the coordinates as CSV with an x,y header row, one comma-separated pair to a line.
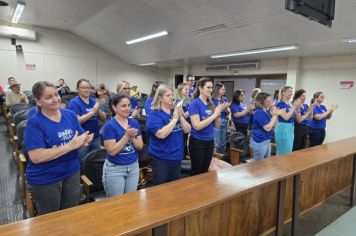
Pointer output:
x,y
294,73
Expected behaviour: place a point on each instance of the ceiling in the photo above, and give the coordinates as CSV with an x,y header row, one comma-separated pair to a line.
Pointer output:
x,y
241,25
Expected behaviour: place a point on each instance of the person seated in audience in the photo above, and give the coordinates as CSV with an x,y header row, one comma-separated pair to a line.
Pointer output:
x,y
52,138
88,112
149,100
102,93
166,127
221,132
284,132
122,140
203,116
62,88
134,92
302,119
123,87
191,82
15,96
7,86
318,123
240,112
264,120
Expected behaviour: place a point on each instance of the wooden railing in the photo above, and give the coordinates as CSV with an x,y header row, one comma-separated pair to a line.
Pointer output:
x,y
250,199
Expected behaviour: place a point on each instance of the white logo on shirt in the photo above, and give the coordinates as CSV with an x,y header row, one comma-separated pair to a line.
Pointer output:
x,y
65,136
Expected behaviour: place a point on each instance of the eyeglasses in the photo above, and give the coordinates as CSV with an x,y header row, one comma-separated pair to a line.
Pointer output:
x,y
125,88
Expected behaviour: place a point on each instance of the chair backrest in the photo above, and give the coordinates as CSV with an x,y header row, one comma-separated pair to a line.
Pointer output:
x,y
20,130
238,140
144,158
18,107
20,116
73,93
93,168
67,98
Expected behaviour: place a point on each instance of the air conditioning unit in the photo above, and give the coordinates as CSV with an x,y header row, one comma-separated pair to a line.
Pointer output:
x,y
254,65
18,33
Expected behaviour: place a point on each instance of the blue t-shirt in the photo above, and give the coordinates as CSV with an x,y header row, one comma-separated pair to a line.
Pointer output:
x,y
171,148
81,108
42,132
303,109
260,119
239,108
133,103
113,130
148,106
32,111
216,102
282,105
185,104
197,107
318,124
191,92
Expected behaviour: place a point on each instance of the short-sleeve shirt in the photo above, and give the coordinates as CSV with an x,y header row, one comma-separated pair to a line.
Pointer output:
x,y
216,103
303,109
113,130
81,108
234,108
42,132
148,104
260,119
318,124
170,148
288,107
197,107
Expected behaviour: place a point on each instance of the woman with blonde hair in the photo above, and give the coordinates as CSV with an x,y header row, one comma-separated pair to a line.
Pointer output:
x,y
123,87
166,126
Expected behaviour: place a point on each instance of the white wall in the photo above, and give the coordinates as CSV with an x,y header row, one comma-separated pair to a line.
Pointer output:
x,y
324,74
61,54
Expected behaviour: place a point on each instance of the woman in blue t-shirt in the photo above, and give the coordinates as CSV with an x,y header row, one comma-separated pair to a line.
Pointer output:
x,y
318,123
88,112
302,118
122,140
220,133
149,100
240,112
284,133
52,137
166,127
203,117
264,120
123,87
184,99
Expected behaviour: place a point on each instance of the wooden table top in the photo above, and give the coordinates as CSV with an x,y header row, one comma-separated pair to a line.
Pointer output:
x,y
142,210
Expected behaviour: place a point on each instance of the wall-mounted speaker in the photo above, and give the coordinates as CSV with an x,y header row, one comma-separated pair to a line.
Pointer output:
x,y
13,41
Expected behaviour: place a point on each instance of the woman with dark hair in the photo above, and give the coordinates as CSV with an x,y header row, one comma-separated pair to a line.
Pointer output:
x,y
302,118
284,133
123,87
318,123
220,133
240,112
203,117
166,127
264,120
149,100
88,112
52,137
122,140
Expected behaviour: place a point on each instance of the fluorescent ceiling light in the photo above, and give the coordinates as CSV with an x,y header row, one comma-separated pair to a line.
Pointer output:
x,y
18,12
349,40
151,36
256,51
147,64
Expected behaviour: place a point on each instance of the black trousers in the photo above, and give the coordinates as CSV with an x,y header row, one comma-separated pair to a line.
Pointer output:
x,y
316,136
242,128
201,153
300,136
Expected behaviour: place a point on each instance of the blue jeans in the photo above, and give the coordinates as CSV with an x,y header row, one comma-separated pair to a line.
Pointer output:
x,y
220,137
120,179
261,150
165,171
83,151
284,136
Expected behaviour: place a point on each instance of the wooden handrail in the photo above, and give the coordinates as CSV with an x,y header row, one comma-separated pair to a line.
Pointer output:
x,y
146,209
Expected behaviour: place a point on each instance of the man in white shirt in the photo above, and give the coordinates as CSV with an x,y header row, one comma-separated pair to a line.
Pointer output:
x,y
7,86
15,96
